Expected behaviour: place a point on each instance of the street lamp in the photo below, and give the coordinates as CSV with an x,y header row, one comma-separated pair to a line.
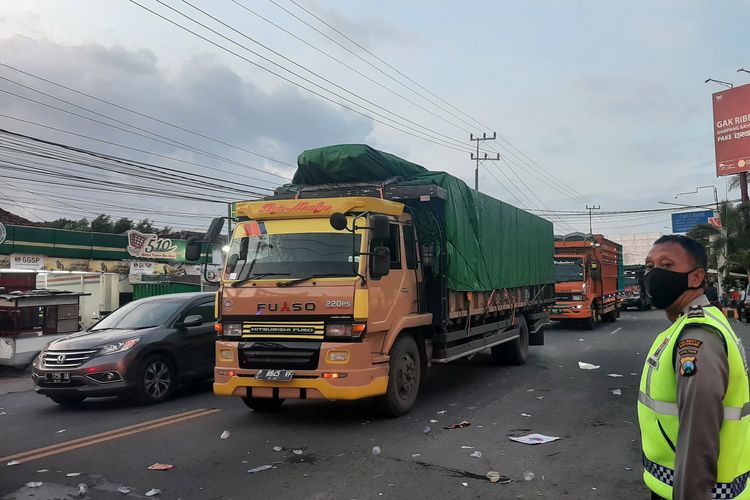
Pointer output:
x,y
726,84
716,194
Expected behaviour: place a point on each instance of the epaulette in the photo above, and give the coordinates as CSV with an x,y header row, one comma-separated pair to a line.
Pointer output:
x,y
696,312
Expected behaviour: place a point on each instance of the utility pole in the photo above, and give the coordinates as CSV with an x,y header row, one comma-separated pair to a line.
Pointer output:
x,y
743,187
478,139
590,208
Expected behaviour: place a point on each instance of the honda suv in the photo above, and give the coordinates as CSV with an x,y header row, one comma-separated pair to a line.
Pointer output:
x,y
142,349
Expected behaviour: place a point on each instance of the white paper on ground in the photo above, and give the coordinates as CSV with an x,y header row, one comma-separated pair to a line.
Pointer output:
x,y
587,366
533,439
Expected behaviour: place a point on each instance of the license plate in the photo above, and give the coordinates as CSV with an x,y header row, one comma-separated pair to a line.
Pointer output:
x,y
275,375
58,377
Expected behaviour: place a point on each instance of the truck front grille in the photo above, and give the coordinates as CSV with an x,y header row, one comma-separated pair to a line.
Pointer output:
x,y
66,359
286,356
310,330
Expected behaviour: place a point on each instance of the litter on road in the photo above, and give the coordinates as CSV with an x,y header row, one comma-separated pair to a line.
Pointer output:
x,y
124,490
82,489
460,425
60,431
260,469
73,474
427,430
34,484
43,470
465,447
225,435
617,392
525,415
153,492
476,454
298,452
13,462
376,450
158,466
614,375
587,366
415,455
533,439
580,340
528,476
465,484
441,412
433,421
540,397
277,448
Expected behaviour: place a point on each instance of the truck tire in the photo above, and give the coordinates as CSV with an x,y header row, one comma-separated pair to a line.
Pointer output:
x,y
589,323
155,380
263,404
516,351
404,378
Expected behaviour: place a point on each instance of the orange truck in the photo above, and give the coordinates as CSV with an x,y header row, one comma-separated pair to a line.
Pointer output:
x,y
588,279
349,290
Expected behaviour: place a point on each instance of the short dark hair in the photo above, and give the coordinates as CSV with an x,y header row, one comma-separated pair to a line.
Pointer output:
x,y
691,246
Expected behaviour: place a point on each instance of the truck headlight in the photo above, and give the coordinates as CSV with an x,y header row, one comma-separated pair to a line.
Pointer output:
x,y
345,330
121,346
232,330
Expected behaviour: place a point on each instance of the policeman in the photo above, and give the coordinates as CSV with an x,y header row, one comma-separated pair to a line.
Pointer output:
x,y
694,399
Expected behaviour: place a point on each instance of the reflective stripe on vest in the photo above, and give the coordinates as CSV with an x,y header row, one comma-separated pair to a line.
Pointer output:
x,y
658,410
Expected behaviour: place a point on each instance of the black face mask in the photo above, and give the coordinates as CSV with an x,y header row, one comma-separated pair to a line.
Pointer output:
x,y
665,286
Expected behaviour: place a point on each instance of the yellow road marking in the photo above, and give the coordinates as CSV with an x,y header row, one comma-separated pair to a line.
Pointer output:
x,y
74,444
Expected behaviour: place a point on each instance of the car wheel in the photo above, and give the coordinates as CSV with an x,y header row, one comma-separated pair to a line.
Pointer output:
x,y
516,351
404,378
155,380
72,400
263,404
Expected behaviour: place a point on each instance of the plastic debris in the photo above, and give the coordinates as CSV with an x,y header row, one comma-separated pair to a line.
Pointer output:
x,y
260,469
528,476
587,366
124,490
376,450
158,466
465,485
441,412
277,448
427,429
633,373
153,492
580,340
540,397
476,454
464,447
433,421
617,392
73,474
43,470
460,425
82,489
3,412
493,476
298,452
13,462
225,435
525,415
614,375
628,468
533,439
34,484
415,455
61,431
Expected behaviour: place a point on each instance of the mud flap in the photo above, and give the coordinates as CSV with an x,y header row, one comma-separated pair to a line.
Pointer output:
x,y
537,337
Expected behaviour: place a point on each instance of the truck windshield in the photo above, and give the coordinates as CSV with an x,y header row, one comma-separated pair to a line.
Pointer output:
x,y
568,270
139,314
291,255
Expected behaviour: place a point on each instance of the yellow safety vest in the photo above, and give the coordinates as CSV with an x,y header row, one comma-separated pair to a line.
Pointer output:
x,y
658,411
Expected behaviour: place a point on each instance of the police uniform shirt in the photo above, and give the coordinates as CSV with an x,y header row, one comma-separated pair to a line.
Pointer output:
x,y
702,371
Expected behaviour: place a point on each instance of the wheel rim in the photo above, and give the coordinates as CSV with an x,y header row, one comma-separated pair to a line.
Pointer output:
x,y
157,379
406,376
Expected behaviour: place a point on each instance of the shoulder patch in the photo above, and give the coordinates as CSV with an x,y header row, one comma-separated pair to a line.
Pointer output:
x,y
688,365
687,343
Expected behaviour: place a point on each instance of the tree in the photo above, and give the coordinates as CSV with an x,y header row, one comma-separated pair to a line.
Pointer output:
x,y
732,241
145,226
102,224
122,225
71,225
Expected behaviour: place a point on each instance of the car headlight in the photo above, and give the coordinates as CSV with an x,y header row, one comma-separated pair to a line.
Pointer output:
x,y
121,346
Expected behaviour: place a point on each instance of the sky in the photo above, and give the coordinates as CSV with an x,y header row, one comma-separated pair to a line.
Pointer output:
x,y
594,102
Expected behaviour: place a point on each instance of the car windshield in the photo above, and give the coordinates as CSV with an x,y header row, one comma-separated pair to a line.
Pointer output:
x,y
291,255
139,314
568,270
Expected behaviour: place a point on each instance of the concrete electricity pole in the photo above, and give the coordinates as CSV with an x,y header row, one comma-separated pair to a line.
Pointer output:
x,y
478,139
590,208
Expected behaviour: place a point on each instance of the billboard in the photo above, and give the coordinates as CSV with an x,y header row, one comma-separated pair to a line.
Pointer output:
x,y
732,130
685,221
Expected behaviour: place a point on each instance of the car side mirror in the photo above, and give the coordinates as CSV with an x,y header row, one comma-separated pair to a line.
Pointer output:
x,y
192,320
379,228
193,248
338,221
380,262
214,230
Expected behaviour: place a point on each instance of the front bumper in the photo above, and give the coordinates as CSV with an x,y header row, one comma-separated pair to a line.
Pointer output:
x,y
82,381
570,310
359,376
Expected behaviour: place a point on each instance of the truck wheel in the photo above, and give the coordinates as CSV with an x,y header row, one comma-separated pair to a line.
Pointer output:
x,y
155,380
68,400
516,351
404,378
589,323
263,404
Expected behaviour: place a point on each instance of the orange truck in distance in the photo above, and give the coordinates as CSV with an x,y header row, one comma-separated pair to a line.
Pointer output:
x,y
349,290
588,279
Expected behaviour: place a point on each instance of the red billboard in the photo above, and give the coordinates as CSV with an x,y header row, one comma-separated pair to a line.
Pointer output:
x,y
732,130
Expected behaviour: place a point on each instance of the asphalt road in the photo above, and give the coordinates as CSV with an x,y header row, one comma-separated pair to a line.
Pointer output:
x,y
597,456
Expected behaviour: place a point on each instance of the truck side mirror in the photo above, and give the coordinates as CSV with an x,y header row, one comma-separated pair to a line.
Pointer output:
x,y
338,221
380,262
193,249
214,230
380,228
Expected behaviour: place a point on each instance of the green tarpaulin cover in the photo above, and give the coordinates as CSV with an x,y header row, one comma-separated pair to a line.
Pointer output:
x,y
490,244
